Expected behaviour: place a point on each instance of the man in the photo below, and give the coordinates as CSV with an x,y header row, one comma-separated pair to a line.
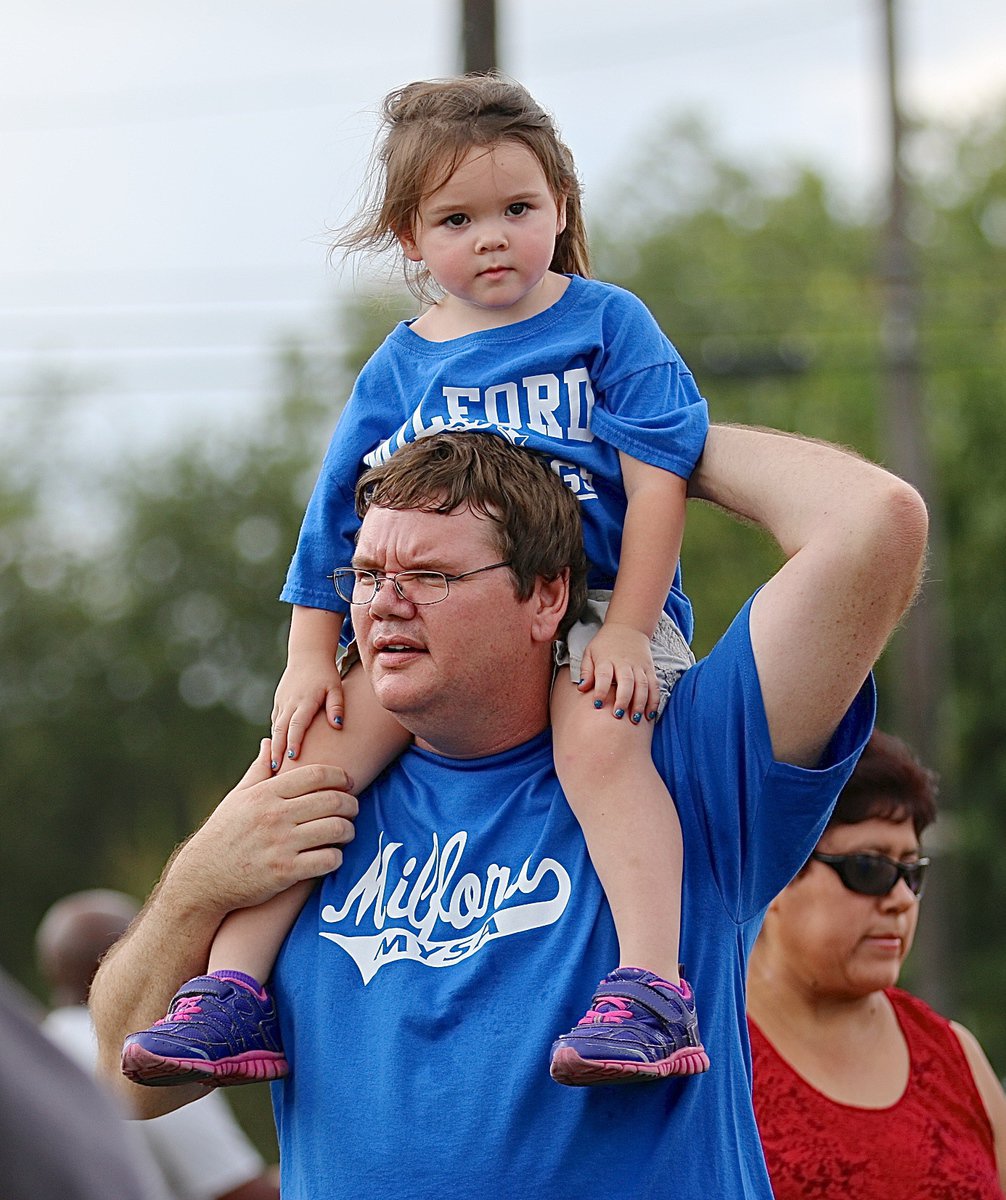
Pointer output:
x,y
423,982
198,1153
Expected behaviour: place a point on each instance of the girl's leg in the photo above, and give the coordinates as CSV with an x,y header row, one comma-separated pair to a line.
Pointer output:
x,y
222,1028
249,939
629,823
642,1023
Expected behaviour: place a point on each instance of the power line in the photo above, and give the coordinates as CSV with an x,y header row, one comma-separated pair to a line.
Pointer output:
x,y
156,309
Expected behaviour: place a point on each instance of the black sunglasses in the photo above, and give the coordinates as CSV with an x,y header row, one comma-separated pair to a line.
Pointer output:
x,y
875,874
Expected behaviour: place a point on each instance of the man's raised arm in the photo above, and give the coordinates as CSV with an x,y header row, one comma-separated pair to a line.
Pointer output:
x,y
854,537
268,833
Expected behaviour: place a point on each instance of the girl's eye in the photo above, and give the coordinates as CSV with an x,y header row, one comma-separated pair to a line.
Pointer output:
x,y
456,220
518,209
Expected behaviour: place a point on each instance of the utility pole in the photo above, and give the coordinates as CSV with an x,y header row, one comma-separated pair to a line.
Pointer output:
x,y
920,650
478,36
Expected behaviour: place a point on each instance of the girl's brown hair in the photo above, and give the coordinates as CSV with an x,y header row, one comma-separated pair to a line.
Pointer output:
x,y
429,127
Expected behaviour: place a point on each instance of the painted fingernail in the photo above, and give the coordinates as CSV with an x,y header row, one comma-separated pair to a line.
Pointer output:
x,y
338,722
275,765
636,718
619,713
291,753
599,704
651,716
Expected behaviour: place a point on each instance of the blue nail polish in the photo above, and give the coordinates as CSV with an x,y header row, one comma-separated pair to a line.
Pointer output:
x,y
290,753
599,704
651,716
620,713
275,765
338,722
636,718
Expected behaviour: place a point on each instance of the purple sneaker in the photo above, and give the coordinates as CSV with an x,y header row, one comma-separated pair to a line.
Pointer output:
x,y
639,1028
220,1029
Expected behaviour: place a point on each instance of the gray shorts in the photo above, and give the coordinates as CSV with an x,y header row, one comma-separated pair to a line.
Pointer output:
x,y
346,657
671,654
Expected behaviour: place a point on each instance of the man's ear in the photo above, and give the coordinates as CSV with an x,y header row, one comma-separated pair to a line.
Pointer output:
x,y
551,596
408,244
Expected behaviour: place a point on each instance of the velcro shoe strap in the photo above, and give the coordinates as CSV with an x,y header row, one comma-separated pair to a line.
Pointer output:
x,y
204,985
650,998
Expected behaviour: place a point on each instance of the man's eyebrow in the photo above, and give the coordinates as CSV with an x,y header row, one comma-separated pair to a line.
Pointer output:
x,y
362,563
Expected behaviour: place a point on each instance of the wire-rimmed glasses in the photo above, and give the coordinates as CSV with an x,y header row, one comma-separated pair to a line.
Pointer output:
x,y
357,586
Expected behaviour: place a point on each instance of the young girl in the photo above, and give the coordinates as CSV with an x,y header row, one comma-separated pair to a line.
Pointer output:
x,y
481,196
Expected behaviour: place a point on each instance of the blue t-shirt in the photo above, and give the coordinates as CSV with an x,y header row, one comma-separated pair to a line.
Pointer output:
x,y
591,375
424,982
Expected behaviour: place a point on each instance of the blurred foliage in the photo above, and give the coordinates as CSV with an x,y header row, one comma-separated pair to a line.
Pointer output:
x,y
142,636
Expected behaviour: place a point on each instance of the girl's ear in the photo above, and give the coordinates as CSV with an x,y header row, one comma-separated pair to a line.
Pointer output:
x,y
560,223
409,247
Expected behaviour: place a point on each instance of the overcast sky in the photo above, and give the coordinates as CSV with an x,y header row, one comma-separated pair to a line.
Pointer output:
x,y
169,169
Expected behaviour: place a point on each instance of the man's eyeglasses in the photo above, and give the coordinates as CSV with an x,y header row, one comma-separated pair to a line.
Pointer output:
x,y
875,874
418,587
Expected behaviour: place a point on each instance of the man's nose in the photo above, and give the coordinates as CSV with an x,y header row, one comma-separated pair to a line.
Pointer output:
x,y
388,602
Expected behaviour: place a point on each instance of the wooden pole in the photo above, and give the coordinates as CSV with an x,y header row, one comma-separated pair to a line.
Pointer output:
x,y
920,651
478,36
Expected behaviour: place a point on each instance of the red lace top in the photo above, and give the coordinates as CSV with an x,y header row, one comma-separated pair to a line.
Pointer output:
x,y
935,1143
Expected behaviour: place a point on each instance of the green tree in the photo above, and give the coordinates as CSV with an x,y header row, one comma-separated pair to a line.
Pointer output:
x,y
962,232
140,667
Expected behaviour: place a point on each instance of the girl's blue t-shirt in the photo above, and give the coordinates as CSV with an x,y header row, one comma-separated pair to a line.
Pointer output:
x,y
590,376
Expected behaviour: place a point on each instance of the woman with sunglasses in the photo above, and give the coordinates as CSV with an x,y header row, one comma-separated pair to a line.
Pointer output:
x,y
860,1089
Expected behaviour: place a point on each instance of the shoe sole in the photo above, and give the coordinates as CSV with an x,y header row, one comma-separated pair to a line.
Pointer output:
x,y
154,1070
570,1069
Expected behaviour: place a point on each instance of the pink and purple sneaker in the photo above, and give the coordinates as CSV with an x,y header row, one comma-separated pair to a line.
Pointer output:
x,y
639,1028
220,1029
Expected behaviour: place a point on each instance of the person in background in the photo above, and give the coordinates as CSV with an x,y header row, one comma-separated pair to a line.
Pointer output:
x,y
60,1135
861,1089
199,1153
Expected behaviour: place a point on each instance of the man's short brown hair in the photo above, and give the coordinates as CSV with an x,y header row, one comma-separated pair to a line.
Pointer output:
x,y
534,516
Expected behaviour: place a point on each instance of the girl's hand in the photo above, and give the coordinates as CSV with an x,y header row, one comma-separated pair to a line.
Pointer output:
x,y
618,659
307,686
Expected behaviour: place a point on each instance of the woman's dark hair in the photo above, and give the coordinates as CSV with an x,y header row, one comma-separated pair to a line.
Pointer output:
x,y
889,782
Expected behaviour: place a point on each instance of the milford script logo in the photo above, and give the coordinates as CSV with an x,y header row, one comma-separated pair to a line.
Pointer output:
x,y
408,904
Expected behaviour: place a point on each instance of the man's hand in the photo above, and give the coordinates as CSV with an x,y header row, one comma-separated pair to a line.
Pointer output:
x,y
269,832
